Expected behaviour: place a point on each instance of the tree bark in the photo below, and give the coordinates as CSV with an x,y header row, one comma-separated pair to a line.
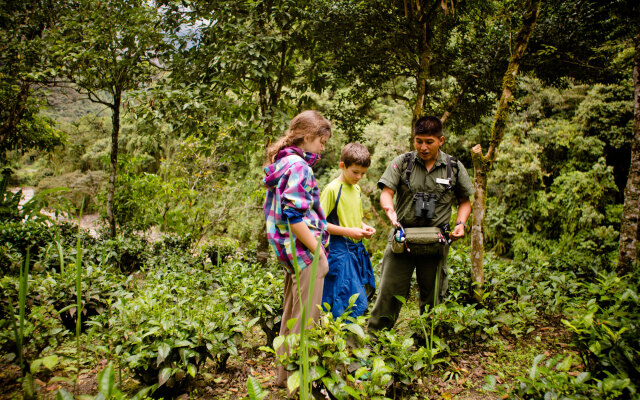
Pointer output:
x,y
629,226
423,70
113,166
15,116
482,163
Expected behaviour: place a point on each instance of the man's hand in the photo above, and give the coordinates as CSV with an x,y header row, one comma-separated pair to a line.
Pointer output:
x,y
393,217
457,232
386,202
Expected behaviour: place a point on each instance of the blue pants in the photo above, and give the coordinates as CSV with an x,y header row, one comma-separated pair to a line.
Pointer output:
x,y
349,271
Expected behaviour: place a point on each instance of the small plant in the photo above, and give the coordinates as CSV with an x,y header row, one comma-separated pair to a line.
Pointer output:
x,y
107,388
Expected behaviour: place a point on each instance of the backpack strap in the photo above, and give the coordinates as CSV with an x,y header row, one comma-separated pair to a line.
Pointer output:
x,y
451,163
409,161
333,215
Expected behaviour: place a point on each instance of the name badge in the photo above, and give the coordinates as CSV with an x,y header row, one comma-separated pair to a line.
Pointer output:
x,y
442,181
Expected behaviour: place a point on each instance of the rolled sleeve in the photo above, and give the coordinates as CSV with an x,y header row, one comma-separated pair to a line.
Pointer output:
x,y
392,176
464,187
292,215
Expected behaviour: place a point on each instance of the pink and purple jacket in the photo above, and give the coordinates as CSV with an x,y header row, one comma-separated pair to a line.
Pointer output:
x,y
293,196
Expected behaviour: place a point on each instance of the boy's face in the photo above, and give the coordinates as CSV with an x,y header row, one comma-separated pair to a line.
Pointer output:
x,y
353,173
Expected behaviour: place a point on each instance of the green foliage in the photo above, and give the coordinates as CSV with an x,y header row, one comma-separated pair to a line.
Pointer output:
x,y
606,329
340,356
172,325
100,286
25,27
107,388
256,290
557,378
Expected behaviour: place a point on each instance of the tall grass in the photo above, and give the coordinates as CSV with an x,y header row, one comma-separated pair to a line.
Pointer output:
x,y
305,376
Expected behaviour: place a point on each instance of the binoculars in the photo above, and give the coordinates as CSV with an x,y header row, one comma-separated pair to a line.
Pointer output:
x,y
425,205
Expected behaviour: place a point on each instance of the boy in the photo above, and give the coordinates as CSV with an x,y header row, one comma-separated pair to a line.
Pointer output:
x,y
350,270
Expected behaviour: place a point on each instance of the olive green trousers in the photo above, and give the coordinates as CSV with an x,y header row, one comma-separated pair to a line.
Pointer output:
x,y
397,272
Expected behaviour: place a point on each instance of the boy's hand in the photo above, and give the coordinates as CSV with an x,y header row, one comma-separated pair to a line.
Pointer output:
x,y
370,231
358,233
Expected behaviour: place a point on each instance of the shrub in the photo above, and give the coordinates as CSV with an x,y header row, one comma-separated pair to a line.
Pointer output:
x,y
607,330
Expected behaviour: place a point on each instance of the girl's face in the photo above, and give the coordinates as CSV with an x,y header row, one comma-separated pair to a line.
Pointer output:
x,y
314,144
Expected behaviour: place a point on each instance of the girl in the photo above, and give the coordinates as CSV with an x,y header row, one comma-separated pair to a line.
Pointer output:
x,y
293,198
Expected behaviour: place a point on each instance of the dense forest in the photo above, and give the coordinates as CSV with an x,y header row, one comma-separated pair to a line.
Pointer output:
x,y
133,251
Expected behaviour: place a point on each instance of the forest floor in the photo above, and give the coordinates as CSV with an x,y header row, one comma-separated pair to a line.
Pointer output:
x,y
465,373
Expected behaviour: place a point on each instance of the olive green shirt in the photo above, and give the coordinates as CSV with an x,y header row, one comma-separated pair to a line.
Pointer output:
x,y
426,182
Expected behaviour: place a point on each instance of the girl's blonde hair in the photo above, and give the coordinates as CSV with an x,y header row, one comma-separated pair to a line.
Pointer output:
x,y
307,123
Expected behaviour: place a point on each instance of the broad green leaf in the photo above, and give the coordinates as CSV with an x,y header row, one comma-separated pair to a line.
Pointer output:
x,y
35,365
565,364
278,341
356,330
192,370
291,323
294,381
317,372
254,390
583,377
533,372
50,361
351,392
143,393
64,395
163,351
164,375
106,381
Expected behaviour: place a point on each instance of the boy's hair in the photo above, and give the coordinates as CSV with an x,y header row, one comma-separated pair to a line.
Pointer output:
x,y
307,123
355,153
428,125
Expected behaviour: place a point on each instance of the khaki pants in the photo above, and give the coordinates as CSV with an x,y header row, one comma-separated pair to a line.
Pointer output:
x,y
397,271
292,308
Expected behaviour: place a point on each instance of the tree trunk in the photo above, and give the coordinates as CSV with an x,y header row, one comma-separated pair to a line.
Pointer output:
x,y
113,166
482,164
629,226
424,55
15,116
479,207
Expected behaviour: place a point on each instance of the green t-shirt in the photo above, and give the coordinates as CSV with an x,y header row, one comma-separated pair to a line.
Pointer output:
x,y
349,207
433,181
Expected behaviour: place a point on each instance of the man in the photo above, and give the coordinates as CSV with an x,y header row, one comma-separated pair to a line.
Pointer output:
x,y
422,175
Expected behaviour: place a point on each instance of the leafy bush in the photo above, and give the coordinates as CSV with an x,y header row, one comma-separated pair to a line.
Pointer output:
x,y
341,357
607,330
100,286
42,330
258,291
18,236
559,378
172,325
128,252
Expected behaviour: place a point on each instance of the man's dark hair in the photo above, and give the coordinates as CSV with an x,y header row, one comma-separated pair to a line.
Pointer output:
x,y
428,125
355,153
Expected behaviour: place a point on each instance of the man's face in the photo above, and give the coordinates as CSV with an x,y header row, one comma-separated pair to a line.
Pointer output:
x,y
353,173
427,146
